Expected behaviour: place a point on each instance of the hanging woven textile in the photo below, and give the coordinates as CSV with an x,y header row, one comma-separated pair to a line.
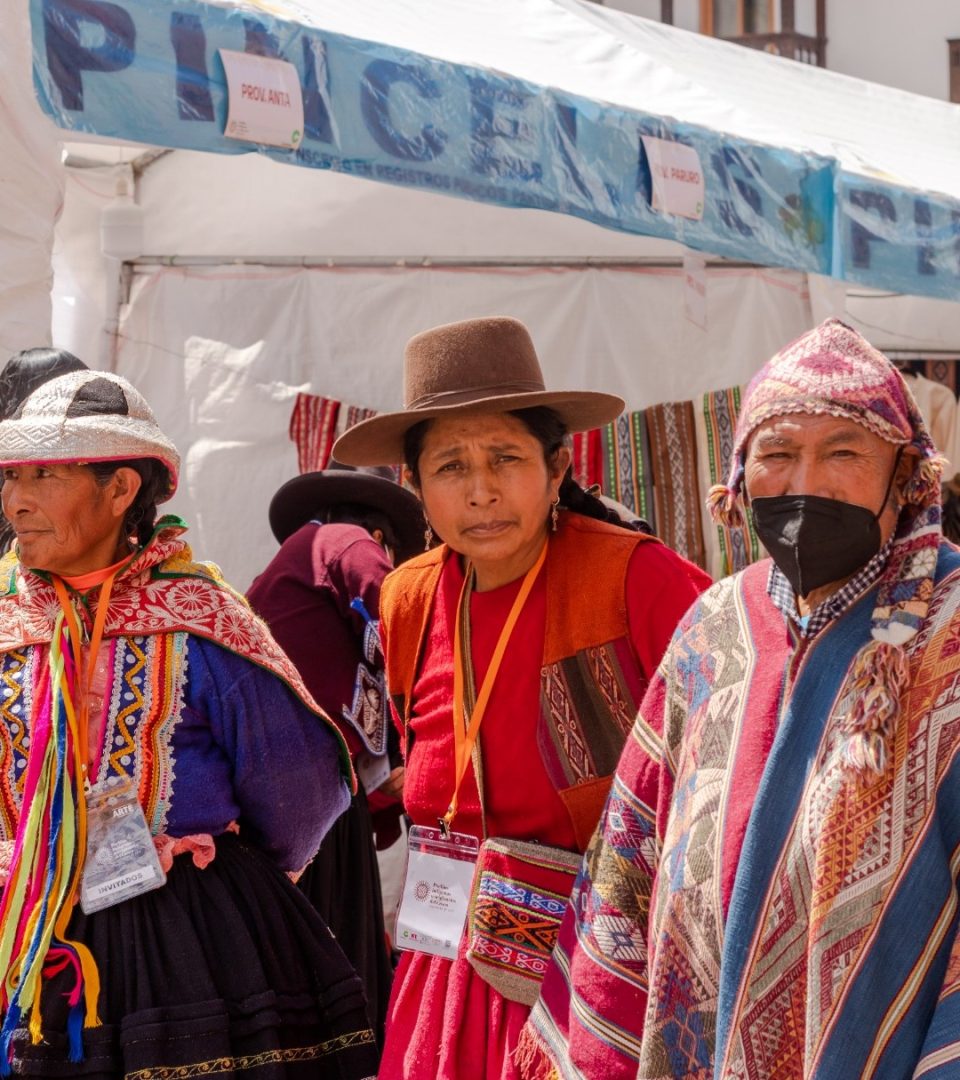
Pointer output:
x,y
677,498
316,423
313,428
728,548
627,475
587,461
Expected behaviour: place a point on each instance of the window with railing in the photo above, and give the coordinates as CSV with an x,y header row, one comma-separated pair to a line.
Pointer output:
x,y
733,18
754,23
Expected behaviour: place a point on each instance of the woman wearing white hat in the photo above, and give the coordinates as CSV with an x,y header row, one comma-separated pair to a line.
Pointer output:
x,y
162,764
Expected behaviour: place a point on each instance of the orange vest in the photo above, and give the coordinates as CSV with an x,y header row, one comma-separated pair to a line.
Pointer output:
x,y
591,676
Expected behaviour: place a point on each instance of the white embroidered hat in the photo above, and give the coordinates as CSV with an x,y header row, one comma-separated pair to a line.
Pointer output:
x,y
86,416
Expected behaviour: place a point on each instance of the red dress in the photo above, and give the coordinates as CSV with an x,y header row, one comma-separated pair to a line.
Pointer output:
x,y
444,1021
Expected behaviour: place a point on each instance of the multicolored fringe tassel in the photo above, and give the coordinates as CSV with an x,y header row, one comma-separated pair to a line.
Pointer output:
x,y
46,870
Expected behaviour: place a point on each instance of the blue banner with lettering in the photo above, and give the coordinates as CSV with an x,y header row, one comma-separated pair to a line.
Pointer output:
x,y
899,239
150,71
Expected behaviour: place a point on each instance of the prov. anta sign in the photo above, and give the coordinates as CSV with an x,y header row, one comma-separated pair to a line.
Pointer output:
x,y
265,102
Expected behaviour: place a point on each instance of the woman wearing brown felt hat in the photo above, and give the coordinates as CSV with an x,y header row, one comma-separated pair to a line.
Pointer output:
x,y
517,653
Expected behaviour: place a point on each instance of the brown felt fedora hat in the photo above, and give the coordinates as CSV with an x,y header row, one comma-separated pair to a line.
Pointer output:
x,y
475,366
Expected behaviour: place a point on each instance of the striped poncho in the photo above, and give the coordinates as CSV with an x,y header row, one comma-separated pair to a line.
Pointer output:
x,y
751,906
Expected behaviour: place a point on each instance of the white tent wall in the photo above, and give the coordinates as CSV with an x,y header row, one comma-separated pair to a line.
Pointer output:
x,y
222,349
221,353
211,204
31,194
83,277
917,325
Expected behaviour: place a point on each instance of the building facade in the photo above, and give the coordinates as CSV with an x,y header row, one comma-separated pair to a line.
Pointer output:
x,y
912,46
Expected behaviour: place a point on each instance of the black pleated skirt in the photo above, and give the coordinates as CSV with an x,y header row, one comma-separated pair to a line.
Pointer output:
x,y
343,884
226,972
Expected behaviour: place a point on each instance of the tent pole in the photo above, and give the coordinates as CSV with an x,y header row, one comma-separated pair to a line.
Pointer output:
x,y
424,262
111,322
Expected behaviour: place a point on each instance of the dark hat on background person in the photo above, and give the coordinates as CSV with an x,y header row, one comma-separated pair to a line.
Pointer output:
x,y
476,366
308,496
27,370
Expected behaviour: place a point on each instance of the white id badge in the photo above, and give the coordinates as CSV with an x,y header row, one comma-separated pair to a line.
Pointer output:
x,y
121,860
436,891
373,770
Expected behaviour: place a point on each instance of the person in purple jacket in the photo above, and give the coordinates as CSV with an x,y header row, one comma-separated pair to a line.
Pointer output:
x,y
163,773
340,531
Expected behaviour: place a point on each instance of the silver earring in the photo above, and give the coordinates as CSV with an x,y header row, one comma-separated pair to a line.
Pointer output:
x,y
555,513
427,537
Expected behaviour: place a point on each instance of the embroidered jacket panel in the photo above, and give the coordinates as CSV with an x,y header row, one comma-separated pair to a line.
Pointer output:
x,y
205,736
193,701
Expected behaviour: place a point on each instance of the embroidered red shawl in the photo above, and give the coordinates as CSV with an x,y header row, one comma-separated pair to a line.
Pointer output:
x,y
162,590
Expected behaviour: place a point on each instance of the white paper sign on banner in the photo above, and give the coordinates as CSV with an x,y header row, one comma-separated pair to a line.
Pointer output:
x,y
695,288
677,177
265,101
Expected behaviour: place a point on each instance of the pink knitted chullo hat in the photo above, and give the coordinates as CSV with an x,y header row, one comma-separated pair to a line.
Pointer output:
x,y
832,370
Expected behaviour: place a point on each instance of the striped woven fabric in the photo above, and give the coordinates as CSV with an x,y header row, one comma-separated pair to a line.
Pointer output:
x,y
353,414
587,461
350,415
315,425
723,924
728,550
617,457
313,428
676,493
627,475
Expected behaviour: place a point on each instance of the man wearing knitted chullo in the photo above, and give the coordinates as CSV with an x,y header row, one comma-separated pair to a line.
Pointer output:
x,y
772,890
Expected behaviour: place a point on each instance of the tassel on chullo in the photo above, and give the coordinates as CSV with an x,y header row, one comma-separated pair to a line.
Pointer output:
x,y
723,503
923,487
880,674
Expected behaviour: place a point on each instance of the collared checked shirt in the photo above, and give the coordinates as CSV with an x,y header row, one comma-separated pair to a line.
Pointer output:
x,y
781,593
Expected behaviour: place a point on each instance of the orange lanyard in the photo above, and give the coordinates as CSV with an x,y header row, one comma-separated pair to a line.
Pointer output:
x,y
465,735
84,677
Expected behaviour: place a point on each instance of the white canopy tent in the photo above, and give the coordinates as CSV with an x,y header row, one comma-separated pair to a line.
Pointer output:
x,y
222,347
551,104
259,281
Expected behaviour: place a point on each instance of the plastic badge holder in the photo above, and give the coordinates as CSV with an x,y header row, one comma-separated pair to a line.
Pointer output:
x,y
121,860
436,890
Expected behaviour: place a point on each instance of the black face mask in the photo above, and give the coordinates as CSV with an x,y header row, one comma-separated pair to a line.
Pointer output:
x,y
814,540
